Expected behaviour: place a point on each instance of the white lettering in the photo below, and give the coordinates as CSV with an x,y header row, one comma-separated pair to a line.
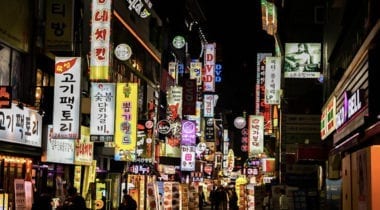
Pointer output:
x,y
354,103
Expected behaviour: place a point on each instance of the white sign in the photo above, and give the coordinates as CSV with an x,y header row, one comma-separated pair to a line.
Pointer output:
x,y
100,38
21,126
188,158
208,105
67,94
102,111
59,150
123,52
208,74
255,134
272,80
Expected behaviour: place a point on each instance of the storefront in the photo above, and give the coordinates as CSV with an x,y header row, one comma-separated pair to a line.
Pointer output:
x,y
20,136
351,117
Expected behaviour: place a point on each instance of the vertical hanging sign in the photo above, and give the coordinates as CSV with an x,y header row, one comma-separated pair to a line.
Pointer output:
x,y
102,112
67,98
100,39
59,25
272,80
208,74
255,135
126,121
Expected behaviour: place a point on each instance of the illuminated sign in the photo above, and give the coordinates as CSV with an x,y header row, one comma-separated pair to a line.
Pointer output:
x,y
218,73
351,105
328,122
302,60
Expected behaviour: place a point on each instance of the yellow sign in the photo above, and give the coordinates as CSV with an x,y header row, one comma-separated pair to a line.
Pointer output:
x,y
126,121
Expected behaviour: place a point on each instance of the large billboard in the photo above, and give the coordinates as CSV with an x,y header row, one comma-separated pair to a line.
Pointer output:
x,y
302,60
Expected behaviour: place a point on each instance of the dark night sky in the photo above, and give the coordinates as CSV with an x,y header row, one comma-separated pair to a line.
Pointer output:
x,y
236,27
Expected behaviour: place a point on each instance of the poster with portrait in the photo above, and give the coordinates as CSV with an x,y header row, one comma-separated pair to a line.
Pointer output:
x,y
302,60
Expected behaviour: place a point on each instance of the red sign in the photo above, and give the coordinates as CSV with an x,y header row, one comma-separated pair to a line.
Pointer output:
x,y
5,96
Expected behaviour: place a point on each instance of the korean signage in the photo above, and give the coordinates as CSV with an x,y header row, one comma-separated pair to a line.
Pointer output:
x,y
187,158
272,80
59,25
84,148
255,134
196,74
21,126
100,38
59,150
145,139
262,108
126,121
174,99
67,98
209,129
328,118
208,74
196,71
102,111
208,105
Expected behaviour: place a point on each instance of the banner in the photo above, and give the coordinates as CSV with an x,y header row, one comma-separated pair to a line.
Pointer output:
x,y
208,105
126,121
262,108
273,80
59,150
255,135
187,158
100,39
12,130
67,93
208,73
59,25
102,112
84,148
